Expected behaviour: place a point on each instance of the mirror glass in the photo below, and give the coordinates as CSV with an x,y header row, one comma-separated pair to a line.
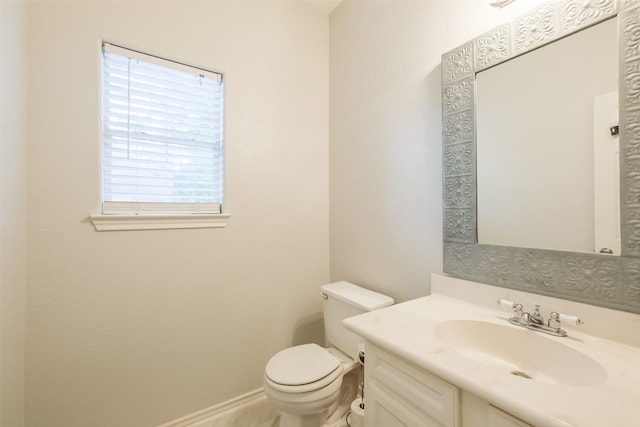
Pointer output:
x,y
547,153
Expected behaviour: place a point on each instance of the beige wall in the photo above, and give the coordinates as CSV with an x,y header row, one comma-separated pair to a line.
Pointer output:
x,y
13,139
137,328
385,150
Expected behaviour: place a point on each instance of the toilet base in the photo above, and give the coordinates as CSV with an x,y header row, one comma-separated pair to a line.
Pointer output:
x,y
334,415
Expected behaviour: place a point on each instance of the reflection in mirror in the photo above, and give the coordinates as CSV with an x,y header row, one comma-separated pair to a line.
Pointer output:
x,y
547,162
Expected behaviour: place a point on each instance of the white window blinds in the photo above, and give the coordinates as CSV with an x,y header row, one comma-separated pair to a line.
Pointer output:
x,y
162,135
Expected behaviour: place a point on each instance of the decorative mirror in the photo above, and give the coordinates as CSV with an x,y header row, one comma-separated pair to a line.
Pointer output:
x,y
478,79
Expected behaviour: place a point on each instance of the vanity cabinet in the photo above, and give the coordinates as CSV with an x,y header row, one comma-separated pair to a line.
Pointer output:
x,y
399,394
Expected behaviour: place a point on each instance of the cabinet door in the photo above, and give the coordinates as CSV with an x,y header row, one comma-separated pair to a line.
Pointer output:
x,y
499,418
477,412
399,394
384,409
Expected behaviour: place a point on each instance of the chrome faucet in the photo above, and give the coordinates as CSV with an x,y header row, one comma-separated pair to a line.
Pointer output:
x,y
535,321
536,318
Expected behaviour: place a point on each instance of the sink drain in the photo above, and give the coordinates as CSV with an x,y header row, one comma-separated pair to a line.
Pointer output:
x,y
521,374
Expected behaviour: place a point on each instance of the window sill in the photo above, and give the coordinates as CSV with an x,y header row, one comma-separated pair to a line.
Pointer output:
x,y
158,222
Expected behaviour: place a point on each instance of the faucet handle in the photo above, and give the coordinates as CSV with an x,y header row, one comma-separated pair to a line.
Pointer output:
x,y
571,319
516,307
554,321
505,303
518,310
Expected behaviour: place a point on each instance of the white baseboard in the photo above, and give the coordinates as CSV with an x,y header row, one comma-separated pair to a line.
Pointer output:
x,y
249,410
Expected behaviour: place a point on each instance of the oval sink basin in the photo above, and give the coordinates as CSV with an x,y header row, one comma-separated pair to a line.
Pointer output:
x,y
521,352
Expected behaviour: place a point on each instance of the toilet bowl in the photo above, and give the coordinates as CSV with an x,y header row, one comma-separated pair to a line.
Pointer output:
x,y
306,382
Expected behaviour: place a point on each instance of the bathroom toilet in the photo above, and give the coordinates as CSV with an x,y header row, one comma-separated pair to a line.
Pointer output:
x,y
306,382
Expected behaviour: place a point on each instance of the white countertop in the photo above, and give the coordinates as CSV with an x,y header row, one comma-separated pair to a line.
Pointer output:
x,y
409,330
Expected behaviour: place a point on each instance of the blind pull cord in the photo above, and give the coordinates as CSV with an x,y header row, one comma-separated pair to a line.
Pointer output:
x,y
129,109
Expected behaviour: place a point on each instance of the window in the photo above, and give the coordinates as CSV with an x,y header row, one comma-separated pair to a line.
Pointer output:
x,y
162,146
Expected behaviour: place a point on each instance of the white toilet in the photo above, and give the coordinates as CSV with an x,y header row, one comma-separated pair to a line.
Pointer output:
x,y
305,381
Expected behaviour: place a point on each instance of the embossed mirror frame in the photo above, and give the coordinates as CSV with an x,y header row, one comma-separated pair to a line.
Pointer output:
x,y
602,280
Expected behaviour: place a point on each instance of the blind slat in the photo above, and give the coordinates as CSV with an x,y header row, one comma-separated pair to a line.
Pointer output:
x,y
178,94
158,135
136,207
125,157
157,76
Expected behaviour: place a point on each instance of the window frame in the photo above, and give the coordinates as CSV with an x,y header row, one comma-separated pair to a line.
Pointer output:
x,y
152,216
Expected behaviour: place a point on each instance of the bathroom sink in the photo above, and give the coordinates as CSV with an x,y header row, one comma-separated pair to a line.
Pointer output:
x,y
521,352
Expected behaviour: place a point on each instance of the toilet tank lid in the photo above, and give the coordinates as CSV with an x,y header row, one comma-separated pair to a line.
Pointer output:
x,y
362,298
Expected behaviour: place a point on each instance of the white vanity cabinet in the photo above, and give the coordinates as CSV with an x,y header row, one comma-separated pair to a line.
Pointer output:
x,y
399,394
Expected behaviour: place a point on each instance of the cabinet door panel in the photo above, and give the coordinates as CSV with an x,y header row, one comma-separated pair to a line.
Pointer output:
x,y
384,417
415,387
383,409
499,418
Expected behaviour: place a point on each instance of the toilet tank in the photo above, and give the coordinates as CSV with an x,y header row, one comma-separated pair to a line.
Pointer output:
x,y
342,300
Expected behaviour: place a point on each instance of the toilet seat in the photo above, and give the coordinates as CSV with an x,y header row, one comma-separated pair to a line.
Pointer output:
x,y
302,369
